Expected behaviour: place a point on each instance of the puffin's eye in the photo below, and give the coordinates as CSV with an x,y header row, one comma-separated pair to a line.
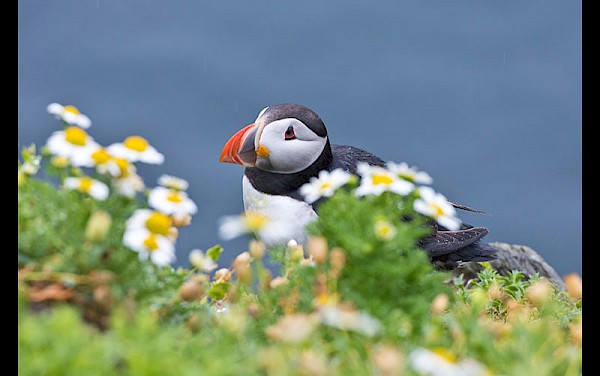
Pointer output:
x,y
289,133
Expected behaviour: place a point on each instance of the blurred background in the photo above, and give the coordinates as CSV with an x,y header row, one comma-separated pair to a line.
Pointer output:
x,y
485,96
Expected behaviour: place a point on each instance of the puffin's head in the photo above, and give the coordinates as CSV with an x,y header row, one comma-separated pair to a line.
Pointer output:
x,y
285,138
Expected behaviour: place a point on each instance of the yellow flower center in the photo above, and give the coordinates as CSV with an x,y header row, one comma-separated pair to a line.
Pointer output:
x,y
325,186
174,196
71,109
158,223
59,162
136,143
100,156
123,165
76,136
255,221
150,243
381,179
437,210
444,354
384,230
85,184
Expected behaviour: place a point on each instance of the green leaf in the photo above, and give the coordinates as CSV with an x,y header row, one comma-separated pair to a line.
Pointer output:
x,y
214,252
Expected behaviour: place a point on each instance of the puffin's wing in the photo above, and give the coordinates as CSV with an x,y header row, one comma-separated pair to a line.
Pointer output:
x,y
444,242
348,157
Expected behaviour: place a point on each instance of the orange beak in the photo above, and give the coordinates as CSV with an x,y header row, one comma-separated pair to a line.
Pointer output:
x,y
240,147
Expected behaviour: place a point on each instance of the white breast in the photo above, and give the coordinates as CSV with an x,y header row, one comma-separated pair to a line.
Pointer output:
x,y
288,217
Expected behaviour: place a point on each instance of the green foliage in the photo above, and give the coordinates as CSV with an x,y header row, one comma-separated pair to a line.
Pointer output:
x,y
360,298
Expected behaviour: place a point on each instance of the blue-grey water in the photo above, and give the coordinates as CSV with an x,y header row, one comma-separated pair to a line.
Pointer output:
x,y
486,96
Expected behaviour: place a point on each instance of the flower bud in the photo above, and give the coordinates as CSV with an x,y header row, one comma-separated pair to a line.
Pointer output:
x,y
575,332
241,266
439,304
59,162
173,233
181,220
539,292
191,290
278,281
256,248
223,274
97,226
337,258
573,282
317,248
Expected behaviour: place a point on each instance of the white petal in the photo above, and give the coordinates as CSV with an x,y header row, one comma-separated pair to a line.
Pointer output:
x,y
83,121
451,223
427,193
71,183
99,191
231,227
55,108
422,207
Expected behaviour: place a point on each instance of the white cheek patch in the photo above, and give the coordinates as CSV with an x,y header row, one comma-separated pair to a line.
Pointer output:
x,y
289,156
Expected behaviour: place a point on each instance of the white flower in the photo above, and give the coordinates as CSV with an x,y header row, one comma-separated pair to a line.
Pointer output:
x,y
158,248
30,167
136,148
436,206
349,319
201,262
440,362
324,185
171,201
108,164
376,180
93,187
233,226
412,174
128,185
153,221
74,144
173,182
69,114
384,230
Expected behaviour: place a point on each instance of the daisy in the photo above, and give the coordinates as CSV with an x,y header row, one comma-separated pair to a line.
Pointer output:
x,y
412,174
236,225
440,361
376,180
128,185
171,201
349,319
136,148
74,144
150,220
201,262
173,182
324,185
30,167
436,206
384,230
108,164
93,187
149,245
69,114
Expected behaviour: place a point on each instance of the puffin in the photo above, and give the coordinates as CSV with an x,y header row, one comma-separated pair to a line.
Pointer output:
x,y
285,147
